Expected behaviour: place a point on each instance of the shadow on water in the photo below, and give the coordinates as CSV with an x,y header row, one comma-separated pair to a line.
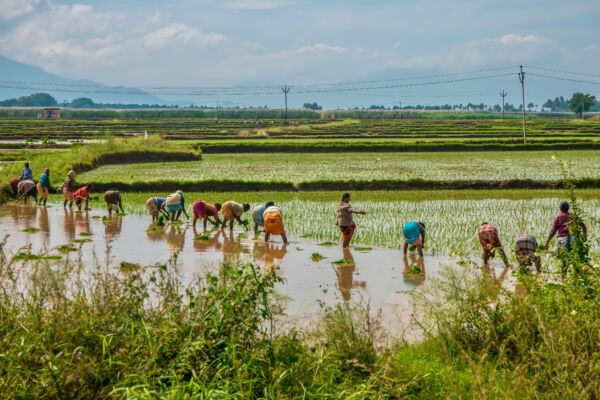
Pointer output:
x,y
377,274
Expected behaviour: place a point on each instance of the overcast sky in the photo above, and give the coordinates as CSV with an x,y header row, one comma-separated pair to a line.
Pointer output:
x,y
225,42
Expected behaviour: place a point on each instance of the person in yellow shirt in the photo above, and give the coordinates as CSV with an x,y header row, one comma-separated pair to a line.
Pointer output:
x,y
232,211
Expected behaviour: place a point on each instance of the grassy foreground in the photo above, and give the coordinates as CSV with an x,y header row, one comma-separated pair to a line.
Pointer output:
x,y
140,334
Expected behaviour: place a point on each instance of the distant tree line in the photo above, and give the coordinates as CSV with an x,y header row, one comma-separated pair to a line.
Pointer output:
x,y
33,100
312,106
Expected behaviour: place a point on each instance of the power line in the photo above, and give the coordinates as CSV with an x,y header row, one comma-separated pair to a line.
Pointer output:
x,y
562,78
564,72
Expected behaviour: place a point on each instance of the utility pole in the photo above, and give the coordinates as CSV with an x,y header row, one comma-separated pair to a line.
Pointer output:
x,y
582,112
285,89
503,94
522,80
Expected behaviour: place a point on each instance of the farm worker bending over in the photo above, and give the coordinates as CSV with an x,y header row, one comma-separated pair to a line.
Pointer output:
x,y
83,194
274,224
156,205
525,248
258,213
69,187
204,210
561,225
175,205
13,185
26,189
44,185
490,242
26,173
414,235
345,220
233,211
113,201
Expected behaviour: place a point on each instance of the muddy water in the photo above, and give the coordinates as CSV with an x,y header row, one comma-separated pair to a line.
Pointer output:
x,y
377,275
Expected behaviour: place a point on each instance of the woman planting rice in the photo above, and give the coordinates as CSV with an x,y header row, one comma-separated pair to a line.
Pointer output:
x,y
258,215
204,210
232,211
43,186
26,189
490,242
175,205
69,187
345,220
273,223
83,194
414,235
113,201
156,205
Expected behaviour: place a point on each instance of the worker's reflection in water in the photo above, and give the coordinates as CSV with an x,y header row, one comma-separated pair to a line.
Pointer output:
x,y
44,224
24,215
113,226
155,233
273,256
82,222
414,270
69,224
210,245
345,276
232,247
175,238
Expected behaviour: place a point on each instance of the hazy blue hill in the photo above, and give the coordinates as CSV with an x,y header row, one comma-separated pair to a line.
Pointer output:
x,y
32,77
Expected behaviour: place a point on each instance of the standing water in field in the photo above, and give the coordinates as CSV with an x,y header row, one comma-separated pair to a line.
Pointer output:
x,y
314,272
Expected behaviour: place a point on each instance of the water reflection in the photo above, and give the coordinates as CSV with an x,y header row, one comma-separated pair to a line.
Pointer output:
x,y
24,215
113,226
411,277
273,255
44,224
155,233
232,247
491,271
175,238
345,276
210,245
69,224
82,222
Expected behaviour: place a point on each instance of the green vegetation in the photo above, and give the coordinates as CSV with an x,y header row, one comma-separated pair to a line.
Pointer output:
x,y
276,168
343,261
31,229
317,257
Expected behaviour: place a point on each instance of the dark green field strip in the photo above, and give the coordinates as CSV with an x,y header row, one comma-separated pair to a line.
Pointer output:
x,y
385,185
392,147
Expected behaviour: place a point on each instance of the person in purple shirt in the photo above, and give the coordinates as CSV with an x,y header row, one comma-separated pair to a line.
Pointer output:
x,y
561,226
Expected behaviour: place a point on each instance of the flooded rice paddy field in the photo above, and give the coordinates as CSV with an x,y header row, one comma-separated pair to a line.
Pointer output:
x,y
375,274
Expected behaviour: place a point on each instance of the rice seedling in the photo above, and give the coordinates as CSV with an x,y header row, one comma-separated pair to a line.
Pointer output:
x,y
31,229
65,248
317,257
81,240
343,261
204,237
85,234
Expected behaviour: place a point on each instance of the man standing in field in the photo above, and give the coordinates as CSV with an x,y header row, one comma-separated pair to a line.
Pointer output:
x,y
273,223
258,215
43,186
113,201
561,225
525,248
156,205
205,210
490,242
345,220
414,235
232,211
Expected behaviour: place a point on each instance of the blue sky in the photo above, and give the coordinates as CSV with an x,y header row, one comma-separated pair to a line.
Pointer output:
x,y
227,42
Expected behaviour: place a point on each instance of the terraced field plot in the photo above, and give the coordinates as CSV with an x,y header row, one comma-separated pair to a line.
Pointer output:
x,y
452,218
283,167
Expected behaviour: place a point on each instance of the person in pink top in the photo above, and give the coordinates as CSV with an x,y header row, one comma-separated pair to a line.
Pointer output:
x,y
204,210
561,226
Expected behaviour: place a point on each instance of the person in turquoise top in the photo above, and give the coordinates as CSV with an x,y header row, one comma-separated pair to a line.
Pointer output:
x,y
414,235
43,186
26,173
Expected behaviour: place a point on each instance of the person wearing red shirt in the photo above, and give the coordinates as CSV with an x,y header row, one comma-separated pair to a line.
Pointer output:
x,y
83,193
561,225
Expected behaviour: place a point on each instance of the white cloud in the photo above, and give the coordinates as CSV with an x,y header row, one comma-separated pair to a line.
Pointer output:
x,y
253,4
10,9
320,48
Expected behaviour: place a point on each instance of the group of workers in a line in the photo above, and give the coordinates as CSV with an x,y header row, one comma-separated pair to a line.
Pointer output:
x,y
270,217
265,215
525,245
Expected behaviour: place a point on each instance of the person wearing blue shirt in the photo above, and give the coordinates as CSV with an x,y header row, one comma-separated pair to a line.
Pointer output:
x,y
43,186
26,173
